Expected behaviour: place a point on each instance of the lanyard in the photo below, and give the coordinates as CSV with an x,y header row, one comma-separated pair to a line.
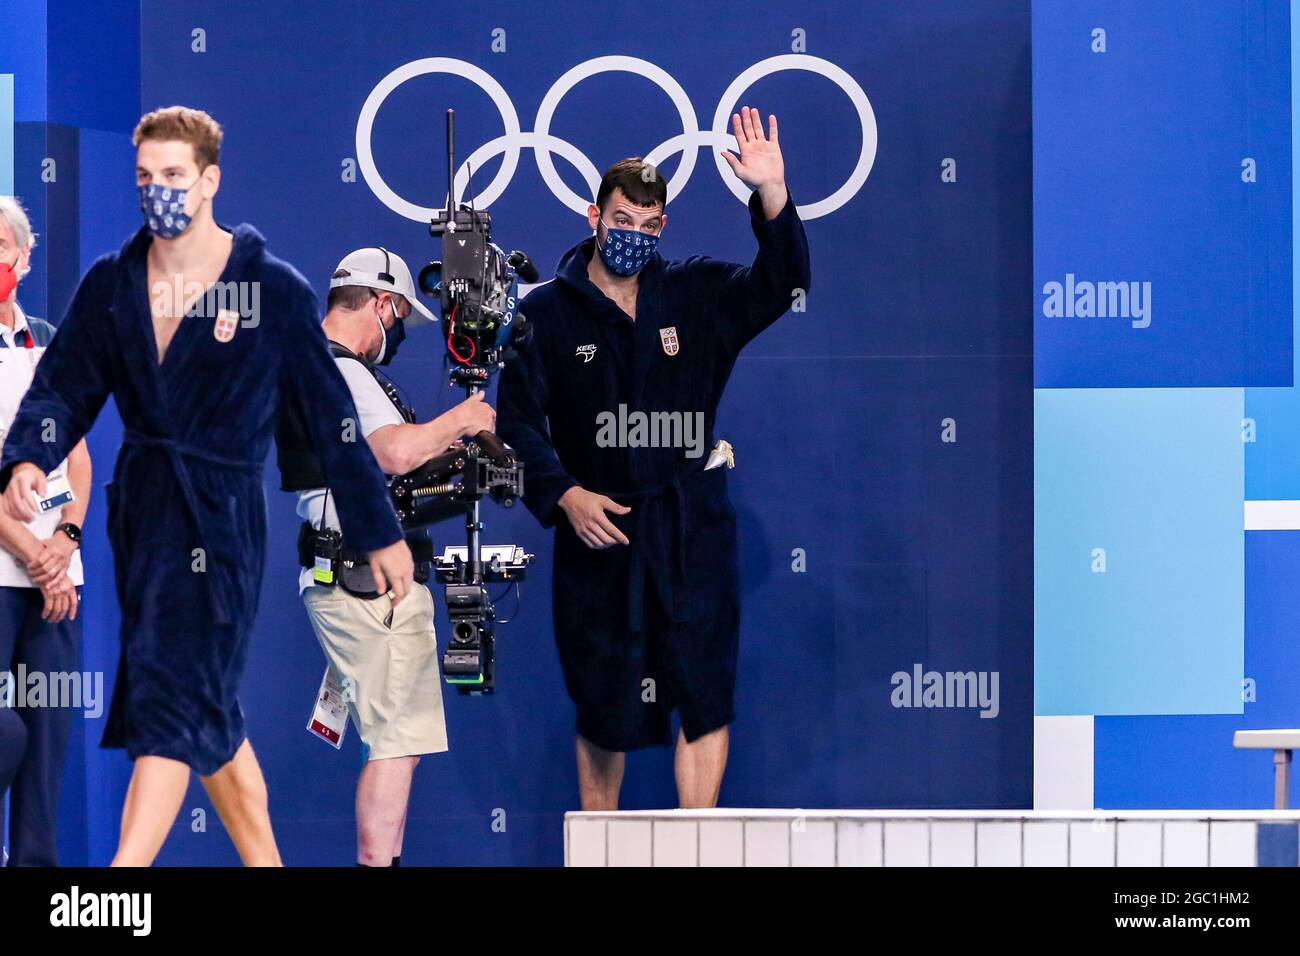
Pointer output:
x,y
28,342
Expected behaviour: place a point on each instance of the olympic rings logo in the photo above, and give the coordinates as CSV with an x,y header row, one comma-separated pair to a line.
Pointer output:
x,y
543,144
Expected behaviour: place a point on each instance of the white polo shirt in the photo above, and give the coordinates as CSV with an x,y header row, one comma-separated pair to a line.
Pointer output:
x,y
374,411
17,367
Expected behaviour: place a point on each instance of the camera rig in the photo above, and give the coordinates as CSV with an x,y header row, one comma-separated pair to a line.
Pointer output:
x,y
476,284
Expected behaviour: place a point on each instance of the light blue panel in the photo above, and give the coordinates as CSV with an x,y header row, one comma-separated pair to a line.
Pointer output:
x,y
1273,459
6,134
1155,477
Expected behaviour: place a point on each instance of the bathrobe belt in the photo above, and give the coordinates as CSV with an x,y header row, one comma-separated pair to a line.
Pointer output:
x,y
219,597
658,548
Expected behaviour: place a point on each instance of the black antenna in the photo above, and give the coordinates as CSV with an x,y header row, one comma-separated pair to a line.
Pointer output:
x,y
451,164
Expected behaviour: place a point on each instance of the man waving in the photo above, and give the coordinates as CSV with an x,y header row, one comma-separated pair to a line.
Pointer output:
x,y
646,588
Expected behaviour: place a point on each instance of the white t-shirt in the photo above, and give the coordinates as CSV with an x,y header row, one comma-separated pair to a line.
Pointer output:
x,y
374,411
17,367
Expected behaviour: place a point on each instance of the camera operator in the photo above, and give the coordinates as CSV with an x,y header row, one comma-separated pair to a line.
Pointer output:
x,y
646,589
386,658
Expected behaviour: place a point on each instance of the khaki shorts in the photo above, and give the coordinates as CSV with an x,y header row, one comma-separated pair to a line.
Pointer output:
x,y
396,684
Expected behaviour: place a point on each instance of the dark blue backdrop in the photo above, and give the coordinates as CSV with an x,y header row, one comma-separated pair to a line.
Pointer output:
x,y
918,550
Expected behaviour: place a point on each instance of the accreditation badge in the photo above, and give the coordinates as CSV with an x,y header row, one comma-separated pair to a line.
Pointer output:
x,y
58,492
329,718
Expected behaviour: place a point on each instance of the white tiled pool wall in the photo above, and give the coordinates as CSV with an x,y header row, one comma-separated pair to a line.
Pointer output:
x,y
942,838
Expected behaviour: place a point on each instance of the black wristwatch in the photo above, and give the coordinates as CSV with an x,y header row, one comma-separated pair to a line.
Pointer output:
x,y
72,531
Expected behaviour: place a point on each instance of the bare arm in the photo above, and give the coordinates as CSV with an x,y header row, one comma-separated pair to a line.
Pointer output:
x,y
54,556
58,591
17,540
402,448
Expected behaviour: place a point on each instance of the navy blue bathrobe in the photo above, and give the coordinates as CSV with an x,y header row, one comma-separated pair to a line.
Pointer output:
x,y
186,510
666,607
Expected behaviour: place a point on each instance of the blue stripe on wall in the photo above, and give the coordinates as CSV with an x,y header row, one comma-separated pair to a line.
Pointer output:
x,y
107,172
6,133
1273,459
22,53
96,52
30,149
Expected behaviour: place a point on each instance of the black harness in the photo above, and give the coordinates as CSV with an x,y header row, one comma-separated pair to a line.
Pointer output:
x,y
301,469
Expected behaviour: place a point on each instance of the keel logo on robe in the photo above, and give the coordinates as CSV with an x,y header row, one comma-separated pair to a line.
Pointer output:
x,y
668,337
588,352
227,322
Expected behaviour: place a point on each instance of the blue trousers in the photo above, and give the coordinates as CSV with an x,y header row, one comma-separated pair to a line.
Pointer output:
x,y
33,740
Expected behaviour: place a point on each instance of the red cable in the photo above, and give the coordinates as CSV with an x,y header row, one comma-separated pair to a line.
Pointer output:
x,y
451,332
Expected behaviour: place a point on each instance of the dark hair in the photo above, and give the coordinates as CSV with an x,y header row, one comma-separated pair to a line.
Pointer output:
x,y
348,297
640,182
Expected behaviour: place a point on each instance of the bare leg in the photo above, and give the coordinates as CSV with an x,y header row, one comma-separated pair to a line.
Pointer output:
x,y
238,791
699,766
401,830
153,799
383,793
600,776
401,835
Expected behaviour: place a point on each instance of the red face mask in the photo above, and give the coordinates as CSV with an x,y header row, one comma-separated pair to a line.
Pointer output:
x,y
8,280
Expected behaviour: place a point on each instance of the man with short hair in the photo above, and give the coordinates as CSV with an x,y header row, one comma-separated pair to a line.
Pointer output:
x,y
198,386
386,660
646,591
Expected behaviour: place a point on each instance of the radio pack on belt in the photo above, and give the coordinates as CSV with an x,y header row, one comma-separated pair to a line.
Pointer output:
x,y
333,564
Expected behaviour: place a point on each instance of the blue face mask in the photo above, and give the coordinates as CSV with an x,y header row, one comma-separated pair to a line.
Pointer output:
x,y
392,338
164,210
626,251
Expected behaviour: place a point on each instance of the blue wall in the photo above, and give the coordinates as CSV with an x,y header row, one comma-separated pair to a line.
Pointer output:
x,y
1138,154
918,549
1167,158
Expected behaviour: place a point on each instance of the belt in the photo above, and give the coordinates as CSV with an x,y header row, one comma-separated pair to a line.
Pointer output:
x,y
423,569
307,554
659,530
219,597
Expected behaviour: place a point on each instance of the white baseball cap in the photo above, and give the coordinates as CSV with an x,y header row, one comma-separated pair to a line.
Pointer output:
x,y
377,268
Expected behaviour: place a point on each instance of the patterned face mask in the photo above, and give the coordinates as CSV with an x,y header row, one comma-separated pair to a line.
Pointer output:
x,y
164,210
626,251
